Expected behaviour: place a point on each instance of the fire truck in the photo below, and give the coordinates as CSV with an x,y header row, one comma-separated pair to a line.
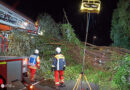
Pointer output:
x,y
13,68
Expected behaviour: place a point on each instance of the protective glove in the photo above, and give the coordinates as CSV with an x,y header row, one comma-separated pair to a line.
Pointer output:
x,y
64,68
52,68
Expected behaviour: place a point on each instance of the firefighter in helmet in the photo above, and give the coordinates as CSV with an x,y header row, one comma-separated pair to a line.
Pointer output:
x,y
58,67
34,63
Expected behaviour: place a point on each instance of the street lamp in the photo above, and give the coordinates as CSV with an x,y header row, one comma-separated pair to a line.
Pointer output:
x,y
94,38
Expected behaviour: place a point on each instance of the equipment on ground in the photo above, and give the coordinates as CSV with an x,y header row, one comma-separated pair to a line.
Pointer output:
x,y
90,6
79,80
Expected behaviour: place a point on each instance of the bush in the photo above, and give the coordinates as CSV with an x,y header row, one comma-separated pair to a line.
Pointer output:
x,y
69,35
48,26
20,44
120,30
122,76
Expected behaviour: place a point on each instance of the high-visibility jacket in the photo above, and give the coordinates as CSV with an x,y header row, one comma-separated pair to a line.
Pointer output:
x,y
34,62
59,62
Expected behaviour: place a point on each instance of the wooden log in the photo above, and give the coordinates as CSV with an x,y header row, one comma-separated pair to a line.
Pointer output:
x,y
53,43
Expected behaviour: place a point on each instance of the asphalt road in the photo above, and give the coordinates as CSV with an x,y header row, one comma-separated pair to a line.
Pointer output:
x,y
69,86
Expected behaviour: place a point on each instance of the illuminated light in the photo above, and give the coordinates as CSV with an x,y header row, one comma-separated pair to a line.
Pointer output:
x,y
25,23
94,6
94,37
2,85
31,87
90,6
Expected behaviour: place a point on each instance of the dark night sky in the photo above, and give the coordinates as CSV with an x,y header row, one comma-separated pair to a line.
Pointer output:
x,y
99,24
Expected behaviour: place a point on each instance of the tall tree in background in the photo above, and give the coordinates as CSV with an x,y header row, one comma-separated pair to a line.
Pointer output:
x,y
120,31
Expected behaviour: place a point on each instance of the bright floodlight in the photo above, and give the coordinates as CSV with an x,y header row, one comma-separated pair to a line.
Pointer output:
x,y
25,23
90,6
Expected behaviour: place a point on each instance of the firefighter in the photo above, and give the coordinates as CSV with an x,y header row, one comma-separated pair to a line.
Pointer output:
x,y
58,67
34,63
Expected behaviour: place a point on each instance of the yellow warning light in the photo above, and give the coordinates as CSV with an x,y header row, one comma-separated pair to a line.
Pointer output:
x,y
90,6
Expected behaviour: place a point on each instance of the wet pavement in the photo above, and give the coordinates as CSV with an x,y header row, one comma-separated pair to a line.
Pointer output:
x,y
69,86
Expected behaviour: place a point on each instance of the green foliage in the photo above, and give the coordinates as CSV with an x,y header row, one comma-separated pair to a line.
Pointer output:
x,y
120,31
68,34
48,26
45,70
72,72
94,76
20,44
122,76
54,33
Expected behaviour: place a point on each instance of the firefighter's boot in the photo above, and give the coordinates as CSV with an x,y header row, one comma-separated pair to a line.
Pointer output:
x,y
62,85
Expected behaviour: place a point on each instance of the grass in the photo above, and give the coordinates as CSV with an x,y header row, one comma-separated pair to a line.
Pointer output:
x,y
103,79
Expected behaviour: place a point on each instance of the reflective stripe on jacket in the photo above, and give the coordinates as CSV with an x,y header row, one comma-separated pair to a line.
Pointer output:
x,y
59,62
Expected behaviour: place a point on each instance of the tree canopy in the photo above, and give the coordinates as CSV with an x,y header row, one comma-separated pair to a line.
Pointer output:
x,y
120,31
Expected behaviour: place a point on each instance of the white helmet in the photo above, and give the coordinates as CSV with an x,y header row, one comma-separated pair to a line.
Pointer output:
x,y
36,51
58,49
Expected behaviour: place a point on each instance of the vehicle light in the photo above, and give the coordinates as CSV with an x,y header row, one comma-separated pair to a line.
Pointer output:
x,y
2,85
31,87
